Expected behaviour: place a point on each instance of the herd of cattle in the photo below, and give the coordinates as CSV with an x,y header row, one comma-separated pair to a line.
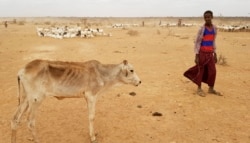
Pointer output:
x,y
70,32
234,28
121,25
176,24
223,28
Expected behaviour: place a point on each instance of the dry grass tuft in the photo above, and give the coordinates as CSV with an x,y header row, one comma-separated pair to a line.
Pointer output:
x,y
184,37
170,32
158,32
222,60
47,23
133,33
20,23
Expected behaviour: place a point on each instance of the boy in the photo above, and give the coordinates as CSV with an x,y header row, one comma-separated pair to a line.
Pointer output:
x,y
206,57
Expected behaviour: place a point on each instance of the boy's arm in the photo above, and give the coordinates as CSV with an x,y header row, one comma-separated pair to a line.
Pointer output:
x,y
215,55
197,42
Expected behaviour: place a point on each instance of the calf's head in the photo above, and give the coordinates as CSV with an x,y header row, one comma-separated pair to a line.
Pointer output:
x,y
128,74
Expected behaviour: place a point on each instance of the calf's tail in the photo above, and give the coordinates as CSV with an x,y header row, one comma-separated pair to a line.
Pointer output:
x,y
19,98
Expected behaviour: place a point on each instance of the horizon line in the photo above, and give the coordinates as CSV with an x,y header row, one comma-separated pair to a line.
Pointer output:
x,y
120,16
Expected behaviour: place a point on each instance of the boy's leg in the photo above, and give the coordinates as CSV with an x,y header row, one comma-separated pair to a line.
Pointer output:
x,y
200,91
212,77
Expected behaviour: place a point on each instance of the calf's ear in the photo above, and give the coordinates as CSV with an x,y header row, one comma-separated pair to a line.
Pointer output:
x,y
125,62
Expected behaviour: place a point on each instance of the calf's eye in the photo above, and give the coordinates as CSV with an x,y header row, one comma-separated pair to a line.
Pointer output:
x,y
131,70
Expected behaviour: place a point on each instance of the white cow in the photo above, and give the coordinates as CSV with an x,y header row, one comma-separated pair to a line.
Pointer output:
x,y
41,78
118,25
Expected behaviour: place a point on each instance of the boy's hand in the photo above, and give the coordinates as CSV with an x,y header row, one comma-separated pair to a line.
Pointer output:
x,y
215,58
196,59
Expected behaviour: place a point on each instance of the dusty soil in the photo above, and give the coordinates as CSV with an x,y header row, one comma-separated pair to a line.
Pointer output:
x,y
160,56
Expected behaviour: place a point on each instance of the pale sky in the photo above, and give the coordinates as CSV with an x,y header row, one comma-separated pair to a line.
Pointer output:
x,y
122,8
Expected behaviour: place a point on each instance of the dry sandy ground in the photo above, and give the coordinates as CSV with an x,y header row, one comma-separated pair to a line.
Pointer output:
x,y
160,56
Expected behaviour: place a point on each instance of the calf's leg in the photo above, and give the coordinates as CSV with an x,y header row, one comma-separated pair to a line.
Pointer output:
x,y
33,106
91,102
16,119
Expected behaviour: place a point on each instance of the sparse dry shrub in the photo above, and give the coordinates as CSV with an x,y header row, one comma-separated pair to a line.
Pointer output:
x,y
96,24
53,25
88,24
84,21
158,32
20,23
184,37
222,60
170,32
47,23
133,33
78,24
14,21
125,28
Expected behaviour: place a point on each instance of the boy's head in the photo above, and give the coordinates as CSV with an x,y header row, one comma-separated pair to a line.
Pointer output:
x,y
208,12
208,16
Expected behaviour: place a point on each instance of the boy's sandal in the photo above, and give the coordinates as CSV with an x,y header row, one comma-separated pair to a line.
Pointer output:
x,y
215,92
201,93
